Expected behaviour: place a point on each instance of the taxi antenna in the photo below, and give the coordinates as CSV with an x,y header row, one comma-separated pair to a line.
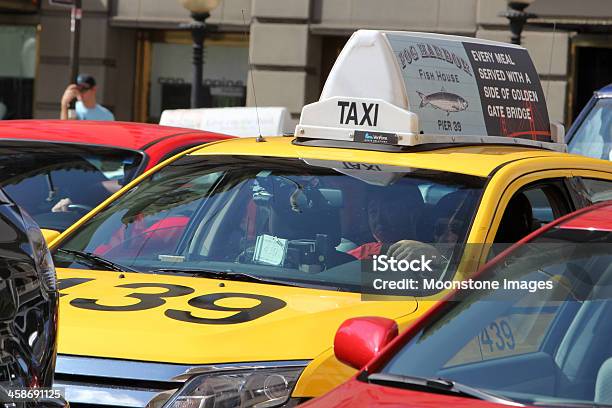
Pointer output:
x,y
259,136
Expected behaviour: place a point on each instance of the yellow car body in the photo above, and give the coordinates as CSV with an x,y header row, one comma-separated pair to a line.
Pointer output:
x,y
126,318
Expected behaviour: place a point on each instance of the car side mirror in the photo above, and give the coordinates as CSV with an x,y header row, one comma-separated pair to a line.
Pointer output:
x,y
49,235
360,339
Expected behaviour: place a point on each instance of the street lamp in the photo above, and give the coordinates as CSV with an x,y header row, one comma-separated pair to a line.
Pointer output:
x,y
200,11
517,16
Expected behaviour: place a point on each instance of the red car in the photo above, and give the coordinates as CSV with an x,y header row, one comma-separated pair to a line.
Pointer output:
x,y
59,170
541,339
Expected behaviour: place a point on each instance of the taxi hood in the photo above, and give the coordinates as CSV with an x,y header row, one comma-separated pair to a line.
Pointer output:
x,y
193,320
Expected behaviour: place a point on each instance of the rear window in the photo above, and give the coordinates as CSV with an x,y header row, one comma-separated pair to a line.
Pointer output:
x,y
38,175
594,136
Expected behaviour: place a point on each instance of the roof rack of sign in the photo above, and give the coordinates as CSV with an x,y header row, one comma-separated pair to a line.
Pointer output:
x,y
409,89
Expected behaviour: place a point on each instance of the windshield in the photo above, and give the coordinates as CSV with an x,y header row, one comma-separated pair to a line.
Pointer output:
x,y
594,136
37,176
530,341
288,220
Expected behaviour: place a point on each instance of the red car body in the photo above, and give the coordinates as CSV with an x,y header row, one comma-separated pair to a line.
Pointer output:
x,y
358,392
154,141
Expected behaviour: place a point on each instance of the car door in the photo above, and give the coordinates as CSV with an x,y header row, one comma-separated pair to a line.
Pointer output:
x,y
550,194
532,206
541,188
546,193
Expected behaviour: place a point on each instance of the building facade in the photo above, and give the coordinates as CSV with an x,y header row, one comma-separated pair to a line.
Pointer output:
x,y
140,50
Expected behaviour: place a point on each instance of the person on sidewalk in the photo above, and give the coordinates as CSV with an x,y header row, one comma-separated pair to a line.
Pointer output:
x,y
86,108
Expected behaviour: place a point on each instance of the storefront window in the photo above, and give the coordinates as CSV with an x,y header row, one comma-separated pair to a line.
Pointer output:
x,y
17,73
224,82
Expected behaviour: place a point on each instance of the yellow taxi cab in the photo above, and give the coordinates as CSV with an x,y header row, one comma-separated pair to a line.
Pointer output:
x,y
219,277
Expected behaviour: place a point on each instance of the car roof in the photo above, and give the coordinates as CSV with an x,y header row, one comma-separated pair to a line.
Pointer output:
x,y
475,160
127,135
597,217
606,91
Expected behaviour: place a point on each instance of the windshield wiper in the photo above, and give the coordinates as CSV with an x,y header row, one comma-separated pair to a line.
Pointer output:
x,y
95,260
228,275
438,385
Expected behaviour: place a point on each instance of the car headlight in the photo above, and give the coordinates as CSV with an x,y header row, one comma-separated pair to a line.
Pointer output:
x,y
252,388
40,253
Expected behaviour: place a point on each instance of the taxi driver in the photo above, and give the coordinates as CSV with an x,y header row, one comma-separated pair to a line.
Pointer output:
x,y
392,219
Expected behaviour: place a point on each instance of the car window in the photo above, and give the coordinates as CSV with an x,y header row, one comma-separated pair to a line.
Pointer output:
x,y
37,175
299,221
594,136
530,208
546,324
598,190
518,331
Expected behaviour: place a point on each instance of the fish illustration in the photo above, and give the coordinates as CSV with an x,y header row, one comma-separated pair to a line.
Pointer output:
x,y
446,101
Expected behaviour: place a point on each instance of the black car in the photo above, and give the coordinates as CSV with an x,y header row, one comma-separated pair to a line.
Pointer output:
x,y
28,306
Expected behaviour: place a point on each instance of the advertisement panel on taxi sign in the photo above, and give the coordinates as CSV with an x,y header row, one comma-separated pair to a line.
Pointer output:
x,y
472,88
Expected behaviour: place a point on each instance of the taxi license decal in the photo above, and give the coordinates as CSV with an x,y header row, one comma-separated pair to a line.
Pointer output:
x,y
147,301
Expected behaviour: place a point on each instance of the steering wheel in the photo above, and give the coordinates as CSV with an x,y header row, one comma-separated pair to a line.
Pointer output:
x,y
80,207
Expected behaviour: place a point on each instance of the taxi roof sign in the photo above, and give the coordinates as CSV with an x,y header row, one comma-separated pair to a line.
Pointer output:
x,y
407,89
235,121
